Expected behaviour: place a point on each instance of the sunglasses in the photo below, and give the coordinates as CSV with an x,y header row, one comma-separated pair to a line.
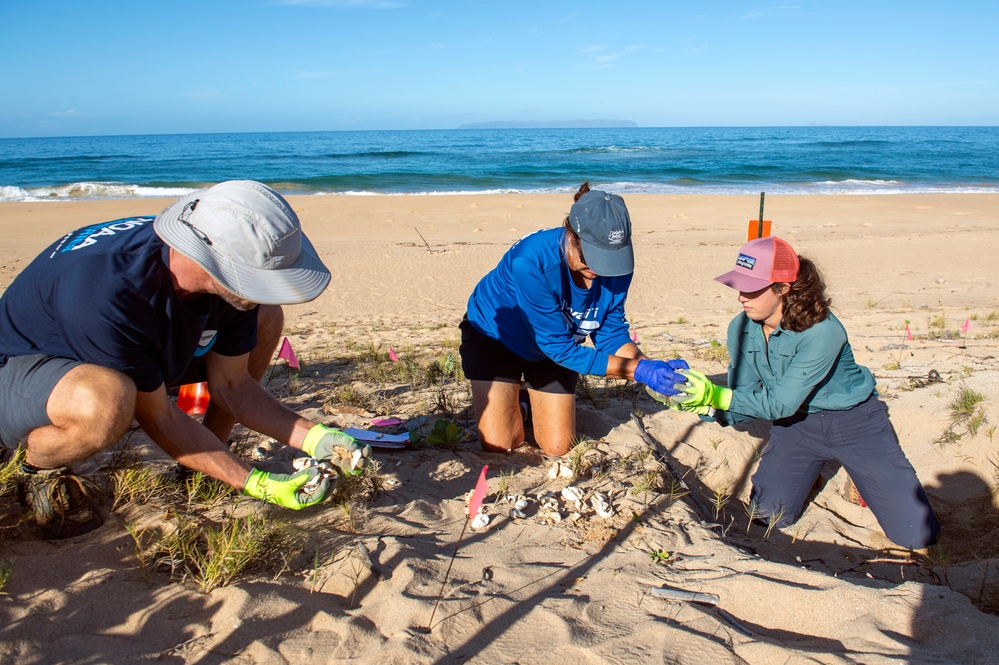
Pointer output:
x,y
186,210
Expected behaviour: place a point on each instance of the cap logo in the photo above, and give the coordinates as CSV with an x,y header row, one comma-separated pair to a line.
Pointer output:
x,y
615,237
744,261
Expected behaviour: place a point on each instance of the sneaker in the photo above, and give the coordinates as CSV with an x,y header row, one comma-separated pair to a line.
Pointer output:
x,y
525,407
63,504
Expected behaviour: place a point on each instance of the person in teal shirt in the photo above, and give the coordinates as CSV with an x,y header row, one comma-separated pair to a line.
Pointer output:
x,y
790,362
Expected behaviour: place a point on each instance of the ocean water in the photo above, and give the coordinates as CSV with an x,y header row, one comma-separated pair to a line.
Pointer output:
x,y
778,160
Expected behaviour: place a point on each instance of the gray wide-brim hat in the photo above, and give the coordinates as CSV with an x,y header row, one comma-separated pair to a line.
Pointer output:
x,y
247,237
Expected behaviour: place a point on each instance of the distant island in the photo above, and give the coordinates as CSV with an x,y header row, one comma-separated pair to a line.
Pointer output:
x,y
548,124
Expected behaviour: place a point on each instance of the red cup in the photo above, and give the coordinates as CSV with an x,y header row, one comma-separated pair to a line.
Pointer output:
x,y
193,398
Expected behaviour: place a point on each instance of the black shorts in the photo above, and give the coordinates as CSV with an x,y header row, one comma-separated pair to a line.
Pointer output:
x,y
25,385
485,359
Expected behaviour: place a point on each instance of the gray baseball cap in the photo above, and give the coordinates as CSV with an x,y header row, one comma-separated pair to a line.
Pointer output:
x,y
247,237
604,228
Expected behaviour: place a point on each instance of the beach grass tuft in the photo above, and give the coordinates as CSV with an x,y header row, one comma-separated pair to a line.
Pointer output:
x,y
214,555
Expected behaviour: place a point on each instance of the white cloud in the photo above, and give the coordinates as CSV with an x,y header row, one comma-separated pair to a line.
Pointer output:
x,y
71,113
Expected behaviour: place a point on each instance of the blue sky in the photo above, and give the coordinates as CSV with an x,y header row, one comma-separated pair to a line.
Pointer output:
x,y
116,67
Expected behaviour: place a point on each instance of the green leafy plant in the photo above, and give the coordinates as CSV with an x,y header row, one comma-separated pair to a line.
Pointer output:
x,y
659,556
446,433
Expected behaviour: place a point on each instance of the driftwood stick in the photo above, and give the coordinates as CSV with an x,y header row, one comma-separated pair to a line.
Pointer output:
x,y
663,455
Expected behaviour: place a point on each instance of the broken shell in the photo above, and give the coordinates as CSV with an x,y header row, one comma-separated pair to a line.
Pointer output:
x,y
300,463
480,521
572,493
602,506
521,504
559,470
549,503
312,486
517,514
355,458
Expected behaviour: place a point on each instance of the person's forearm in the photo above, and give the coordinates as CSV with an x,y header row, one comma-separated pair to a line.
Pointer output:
x,y
619,367
194,446
258,410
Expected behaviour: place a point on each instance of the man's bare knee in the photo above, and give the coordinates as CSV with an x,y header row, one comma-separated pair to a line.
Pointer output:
x,y
95,403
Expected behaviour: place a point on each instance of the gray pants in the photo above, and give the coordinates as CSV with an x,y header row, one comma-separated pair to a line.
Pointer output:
x,y
25,385
864,442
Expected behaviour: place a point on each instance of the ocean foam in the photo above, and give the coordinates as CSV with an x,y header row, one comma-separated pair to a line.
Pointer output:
x,y
83,191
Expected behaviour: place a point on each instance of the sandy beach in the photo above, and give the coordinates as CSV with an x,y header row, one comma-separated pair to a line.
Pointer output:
x,y
829,589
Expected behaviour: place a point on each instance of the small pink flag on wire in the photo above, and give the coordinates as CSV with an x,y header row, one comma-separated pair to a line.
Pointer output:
x,y
908,333
967,325
288,354
394,358
479,494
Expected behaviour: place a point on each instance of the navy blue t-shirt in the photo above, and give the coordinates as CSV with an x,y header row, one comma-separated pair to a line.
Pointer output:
x,y
103,295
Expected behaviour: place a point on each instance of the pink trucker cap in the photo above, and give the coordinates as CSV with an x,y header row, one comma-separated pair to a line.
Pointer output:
x,y
762,262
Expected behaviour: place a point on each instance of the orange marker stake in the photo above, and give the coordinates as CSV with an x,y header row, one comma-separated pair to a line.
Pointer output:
x,y
193,398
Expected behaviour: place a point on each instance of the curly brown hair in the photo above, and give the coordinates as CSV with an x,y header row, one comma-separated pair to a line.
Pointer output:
x,y
806,302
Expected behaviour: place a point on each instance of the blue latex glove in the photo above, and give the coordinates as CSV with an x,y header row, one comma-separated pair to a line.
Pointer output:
x,y
662,375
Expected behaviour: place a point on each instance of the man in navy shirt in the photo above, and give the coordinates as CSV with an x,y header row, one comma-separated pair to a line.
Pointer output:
x,y
97,328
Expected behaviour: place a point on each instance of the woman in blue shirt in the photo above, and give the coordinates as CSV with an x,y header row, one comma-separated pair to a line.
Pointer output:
x,y
527,319
790,362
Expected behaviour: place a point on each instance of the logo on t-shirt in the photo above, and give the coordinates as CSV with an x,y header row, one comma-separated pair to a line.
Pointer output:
x,y
90,235
206,342
582,324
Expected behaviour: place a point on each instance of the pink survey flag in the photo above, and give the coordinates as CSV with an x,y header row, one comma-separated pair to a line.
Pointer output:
x,y
288,354
394,358
479,494
634,337
908,333
967,325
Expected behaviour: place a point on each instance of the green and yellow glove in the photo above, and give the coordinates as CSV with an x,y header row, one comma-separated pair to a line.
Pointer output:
x,y
704,410
703,393
290,490
328,444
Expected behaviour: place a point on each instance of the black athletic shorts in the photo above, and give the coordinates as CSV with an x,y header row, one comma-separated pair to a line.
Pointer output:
x,y
485,359
25,385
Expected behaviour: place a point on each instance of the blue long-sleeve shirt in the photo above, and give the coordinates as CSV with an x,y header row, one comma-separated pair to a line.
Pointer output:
x,y
813,370
529,303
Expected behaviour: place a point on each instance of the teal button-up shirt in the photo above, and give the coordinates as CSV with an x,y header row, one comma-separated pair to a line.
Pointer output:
x,y
812,370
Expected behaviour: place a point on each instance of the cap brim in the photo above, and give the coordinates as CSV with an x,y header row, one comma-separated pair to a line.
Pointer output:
x,y
742,282
609,262
302,281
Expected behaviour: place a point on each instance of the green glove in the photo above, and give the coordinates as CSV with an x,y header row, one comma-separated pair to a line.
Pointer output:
x,y
704,393
290,490
326,443
675,405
